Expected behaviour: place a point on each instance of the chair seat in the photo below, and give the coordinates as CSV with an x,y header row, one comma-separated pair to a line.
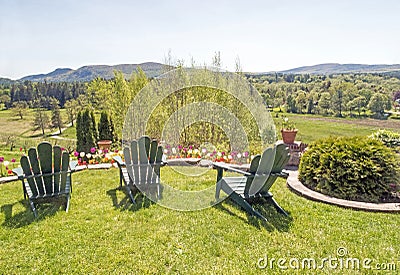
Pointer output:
x,y
50,195
238,184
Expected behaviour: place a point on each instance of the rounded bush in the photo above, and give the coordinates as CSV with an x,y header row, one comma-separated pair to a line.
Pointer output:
x,y
389,138
355,168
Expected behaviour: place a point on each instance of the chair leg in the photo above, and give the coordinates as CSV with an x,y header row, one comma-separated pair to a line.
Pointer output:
x,y
222,185
218,189
120,178
246,206
277,206
129,191
33,208
160,190
24,190
67,203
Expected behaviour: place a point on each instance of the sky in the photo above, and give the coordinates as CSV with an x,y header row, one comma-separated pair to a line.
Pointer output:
x,y
43,35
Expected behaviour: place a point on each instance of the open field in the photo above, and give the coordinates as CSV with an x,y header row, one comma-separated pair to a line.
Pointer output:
x,y
13,125
313,127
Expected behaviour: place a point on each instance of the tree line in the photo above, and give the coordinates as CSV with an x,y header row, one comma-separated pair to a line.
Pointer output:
x,y
337,95
30,92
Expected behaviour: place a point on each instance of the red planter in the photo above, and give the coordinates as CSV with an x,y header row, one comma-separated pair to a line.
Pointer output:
x,y
104,144
288,136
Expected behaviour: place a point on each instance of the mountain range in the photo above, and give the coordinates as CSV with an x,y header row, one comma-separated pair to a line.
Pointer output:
x,y
88,73
336,68
152,69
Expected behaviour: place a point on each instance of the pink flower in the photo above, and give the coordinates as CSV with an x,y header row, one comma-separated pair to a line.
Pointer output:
x,y
92,150
190,147
180,147
1,159
13,160
76,153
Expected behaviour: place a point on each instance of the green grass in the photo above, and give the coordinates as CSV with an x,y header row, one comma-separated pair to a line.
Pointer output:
x,y
104,233
313,127
70,133
23,128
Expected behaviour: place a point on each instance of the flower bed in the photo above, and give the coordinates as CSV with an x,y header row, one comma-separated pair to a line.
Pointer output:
x,y
95,156
179,151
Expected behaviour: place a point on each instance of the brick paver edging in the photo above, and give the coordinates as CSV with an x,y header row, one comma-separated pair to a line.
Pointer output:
x,y
297,187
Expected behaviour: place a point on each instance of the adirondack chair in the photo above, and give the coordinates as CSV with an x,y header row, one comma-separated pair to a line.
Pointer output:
x,y
46,175
254,184
141,170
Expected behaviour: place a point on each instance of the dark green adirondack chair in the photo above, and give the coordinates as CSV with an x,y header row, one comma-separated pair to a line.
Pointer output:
x,y
46,175
256,183
141,169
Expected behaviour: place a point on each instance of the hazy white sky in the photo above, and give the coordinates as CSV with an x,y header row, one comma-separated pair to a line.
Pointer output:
x,y
40,36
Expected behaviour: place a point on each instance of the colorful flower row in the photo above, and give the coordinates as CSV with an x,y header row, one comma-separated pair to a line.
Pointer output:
x,y
96,156
173,152
8,166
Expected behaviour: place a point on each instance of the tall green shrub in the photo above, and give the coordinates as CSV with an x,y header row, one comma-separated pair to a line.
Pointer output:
x,y
85,131
105,127
355,168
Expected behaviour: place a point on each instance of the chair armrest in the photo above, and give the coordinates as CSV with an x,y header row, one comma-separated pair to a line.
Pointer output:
x,y
19,172
119,161
218,165
281,174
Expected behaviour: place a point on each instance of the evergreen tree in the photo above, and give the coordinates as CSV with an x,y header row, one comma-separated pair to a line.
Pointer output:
x,y
86,138
79,136
104,127
93,125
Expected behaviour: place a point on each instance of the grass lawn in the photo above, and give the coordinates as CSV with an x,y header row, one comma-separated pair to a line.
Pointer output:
x,y
70,133
15,126
104,233
313,127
